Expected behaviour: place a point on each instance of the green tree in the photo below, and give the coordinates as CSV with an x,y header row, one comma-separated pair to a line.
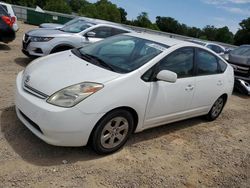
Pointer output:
x,y
58,6
123,14
243,35
144,21
224,35
170,25
209,33
102,9
194,32
76,5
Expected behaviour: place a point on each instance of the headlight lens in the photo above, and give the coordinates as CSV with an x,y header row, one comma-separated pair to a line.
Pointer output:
x,y
40,39
72,95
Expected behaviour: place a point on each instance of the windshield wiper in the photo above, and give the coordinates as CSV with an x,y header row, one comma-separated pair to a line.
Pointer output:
x,y
97,60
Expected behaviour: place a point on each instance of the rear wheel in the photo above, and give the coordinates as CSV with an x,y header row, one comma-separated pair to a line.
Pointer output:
x,y
112,132
216,109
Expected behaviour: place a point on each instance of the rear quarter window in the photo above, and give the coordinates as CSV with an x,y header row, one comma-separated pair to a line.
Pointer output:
x,y
222,66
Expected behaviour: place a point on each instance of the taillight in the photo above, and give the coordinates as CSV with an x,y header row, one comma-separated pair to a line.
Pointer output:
x,y
13,20
7,20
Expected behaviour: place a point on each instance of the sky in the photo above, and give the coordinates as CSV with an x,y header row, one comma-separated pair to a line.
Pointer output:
x,y
198,13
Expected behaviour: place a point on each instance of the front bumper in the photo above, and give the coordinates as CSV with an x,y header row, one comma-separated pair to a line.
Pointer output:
x,y
37,49
242,86
54,125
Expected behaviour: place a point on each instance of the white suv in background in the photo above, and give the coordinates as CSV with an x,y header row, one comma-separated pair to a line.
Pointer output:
x,y
10,11
41,42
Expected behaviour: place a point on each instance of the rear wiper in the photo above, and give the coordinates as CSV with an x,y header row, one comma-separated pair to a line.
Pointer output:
x,y
99,61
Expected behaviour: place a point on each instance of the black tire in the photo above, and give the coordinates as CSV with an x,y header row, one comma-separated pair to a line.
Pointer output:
x,y
102,145
216,109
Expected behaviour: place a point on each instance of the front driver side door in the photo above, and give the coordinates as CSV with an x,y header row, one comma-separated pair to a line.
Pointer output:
x,y
171,101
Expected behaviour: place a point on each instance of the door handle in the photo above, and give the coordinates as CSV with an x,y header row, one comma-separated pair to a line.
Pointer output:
x,y
189,88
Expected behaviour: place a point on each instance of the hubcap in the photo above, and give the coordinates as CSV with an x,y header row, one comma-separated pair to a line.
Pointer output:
x,y
114,132
218,105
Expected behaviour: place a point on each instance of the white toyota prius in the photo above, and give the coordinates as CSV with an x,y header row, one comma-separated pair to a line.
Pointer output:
x,y
102,93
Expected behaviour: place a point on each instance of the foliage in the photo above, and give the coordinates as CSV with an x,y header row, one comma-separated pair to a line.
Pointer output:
x,y
76,5
58,6
243,35
102,9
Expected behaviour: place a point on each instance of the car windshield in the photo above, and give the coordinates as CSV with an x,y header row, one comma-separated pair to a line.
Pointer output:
x,y
121,53
243,50
76,26
71,21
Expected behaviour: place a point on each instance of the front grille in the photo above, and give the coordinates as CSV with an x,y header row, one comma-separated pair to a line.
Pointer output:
x,y
32,123
34,92
241,70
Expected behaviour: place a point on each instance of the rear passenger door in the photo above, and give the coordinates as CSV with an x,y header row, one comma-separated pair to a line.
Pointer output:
x,y
209,80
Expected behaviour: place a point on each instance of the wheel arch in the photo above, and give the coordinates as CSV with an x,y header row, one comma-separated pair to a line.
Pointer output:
x,y
61,46
129,109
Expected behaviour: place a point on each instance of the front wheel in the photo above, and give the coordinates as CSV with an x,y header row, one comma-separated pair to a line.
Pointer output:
x,y
112,132
216,109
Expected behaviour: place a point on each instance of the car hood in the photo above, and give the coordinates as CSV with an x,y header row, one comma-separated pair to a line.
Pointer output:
x,y
244,60
55,72
48,33
51,26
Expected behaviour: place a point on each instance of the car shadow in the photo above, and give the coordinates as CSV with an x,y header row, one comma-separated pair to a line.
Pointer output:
x,y
241,95
4,47
23,61
35,151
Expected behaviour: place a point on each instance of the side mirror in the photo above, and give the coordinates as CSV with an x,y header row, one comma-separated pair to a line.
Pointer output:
x,y
167,76
90,34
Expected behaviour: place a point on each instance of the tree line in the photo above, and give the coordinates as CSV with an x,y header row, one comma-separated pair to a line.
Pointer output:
x,y
106,10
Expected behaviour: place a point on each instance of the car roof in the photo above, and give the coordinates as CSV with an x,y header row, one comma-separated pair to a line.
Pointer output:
x,y
160,39
6,4
104,23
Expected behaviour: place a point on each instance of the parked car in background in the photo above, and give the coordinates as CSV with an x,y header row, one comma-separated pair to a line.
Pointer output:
x,y
11,13
240,61
103,92
41,42
58,26
7,34
220,50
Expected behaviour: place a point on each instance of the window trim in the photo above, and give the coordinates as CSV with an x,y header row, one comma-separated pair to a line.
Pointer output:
x,y
156,66
219,70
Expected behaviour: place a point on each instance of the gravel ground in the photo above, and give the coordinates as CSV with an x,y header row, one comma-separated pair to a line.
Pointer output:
x,y
191,153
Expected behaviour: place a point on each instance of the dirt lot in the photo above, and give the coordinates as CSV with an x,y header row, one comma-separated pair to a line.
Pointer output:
x,y
192,153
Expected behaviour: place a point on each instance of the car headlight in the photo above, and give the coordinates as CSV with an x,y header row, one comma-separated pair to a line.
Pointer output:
x,y
40,39
72,95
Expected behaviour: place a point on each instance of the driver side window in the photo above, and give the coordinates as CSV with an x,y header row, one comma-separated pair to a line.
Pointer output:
x,y
102,32
180,61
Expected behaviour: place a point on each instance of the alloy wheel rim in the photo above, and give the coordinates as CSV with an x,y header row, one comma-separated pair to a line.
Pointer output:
x,y
114,132
218,105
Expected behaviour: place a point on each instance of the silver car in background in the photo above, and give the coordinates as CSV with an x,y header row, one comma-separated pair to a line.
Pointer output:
x,y
41,42
58,26
239,59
